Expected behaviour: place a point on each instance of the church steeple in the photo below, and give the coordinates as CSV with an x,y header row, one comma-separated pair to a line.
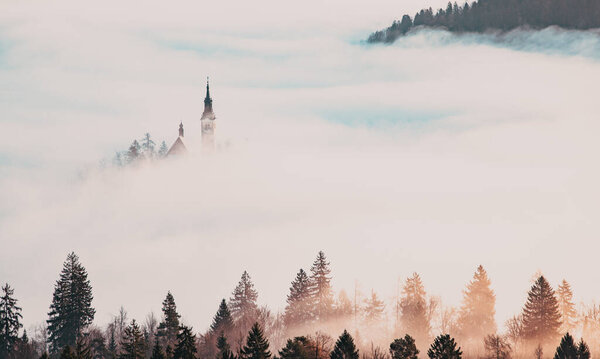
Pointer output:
x,y
181,129
208,110
208,122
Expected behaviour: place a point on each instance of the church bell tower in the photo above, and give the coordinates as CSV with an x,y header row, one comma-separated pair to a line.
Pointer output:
x,y
208,122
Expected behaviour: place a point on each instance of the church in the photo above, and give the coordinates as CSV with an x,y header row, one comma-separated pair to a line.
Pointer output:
x,y
207,123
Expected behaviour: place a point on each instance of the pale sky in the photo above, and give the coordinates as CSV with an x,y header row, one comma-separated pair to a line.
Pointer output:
x,y
435,154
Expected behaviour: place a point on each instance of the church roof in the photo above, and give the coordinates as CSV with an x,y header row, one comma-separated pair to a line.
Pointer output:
x,y
178,147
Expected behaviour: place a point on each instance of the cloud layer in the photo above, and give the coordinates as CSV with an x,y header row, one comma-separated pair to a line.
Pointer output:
x,y
434,155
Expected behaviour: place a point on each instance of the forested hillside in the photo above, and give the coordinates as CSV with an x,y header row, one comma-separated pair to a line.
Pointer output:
x,y
498,15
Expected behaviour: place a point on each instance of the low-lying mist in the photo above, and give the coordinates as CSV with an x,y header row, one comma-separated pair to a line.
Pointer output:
x,y
432,155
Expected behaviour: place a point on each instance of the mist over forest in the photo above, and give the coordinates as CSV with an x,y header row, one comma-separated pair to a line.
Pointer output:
x,y
309,325
409,165
498,15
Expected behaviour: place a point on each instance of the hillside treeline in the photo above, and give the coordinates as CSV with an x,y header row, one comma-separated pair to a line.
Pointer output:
x,y
498,15
413,325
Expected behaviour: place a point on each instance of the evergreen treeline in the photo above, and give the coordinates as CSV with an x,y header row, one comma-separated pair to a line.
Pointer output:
x,y
241,329
144,149
498,15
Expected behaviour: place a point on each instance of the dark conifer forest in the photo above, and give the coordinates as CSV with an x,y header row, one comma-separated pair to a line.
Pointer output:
x,y
317,323
498,15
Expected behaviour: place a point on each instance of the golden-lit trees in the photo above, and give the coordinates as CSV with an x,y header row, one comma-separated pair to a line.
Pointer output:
x,y
476,315
541,318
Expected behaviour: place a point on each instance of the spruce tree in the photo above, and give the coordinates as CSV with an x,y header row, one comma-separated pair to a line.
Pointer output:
x,y
496,347
186,344
297,348
541,318
68,353
444,347
567,348
404,348
162,151
71,309
224,350
157,352
373,310
299,307
321,292
344,348
132,343
476,316
222,321
583,351
82,349
413,309
566,306
10,321
257,346
169,327
343,306
243,303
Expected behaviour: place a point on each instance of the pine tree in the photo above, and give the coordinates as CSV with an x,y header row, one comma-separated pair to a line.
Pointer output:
x,y
162,151
169,327
583,351
343,306
157,352
297,348
68,353
496,347
224,348
10,321
222,321
134,152
257,346
413,309
186,344
344,348
321,293
567,348
243,303
476,316
148,146
299,307
71,309
404,348
112,342
82,349
541,318
566,306
444,347
373,310
132,343
24,348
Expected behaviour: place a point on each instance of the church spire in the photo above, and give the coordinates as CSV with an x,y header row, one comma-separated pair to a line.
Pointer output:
x,y
181,129
208,110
